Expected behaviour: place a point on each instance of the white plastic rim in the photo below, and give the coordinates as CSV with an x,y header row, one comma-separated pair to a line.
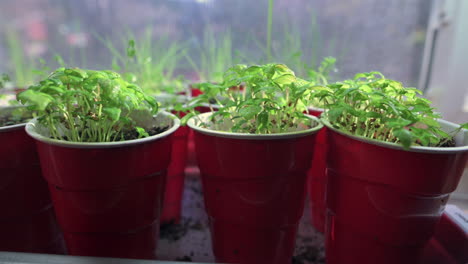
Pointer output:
x,y
31,129
461,140
192,123
166,97
5,110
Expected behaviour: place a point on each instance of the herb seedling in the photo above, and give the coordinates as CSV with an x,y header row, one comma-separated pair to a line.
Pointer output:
x,y
374,107
88,106
4,79
148,61
214,54
272,101
322,74
12,115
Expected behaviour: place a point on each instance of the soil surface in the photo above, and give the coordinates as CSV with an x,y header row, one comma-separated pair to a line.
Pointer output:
x,y
447,144
133,134
9,121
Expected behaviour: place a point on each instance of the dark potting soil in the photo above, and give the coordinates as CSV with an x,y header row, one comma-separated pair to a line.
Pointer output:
x,y
308,254
10,121
133,134
184,258
173,232
447,143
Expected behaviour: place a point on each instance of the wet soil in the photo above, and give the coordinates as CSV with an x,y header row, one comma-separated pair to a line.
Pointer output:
x,y
173,232
10,121
447,143
133,134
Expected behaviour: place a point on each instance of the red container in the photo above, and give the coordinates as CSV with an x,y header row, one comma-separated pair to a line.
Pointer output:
x,y
108,196
27,219
449,245
383,202
192,157
254,189
316,177
176,175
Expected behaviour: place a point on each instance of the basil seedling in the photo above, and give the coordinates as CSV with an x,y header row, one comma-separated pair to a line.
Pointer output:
x,y
4,79
88,106
273,100
378,108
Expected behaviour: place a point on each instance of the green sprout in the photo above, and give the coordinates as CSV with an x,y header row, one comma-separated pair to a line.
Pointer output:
x,y
272,100
87,105
374,107
150,62
4,78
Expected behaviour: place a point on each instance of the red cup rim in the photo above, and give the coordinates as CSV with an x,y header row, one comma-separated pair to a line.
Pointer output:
x,y
31,129
192,124
460,138
178,98
313,108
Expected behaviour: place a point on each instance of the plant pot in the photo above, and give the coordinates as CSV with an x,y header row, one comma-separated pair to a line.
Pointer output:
x,y
316,177
176,175
449,243
384,202
254,190
192,157
27,219
108,196
171,211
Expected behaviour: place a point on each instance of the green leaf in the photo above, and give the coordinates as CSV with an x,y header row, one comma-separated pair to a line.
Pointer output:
x,y
286,79
250,111
397,122
262,120
404,136
334,113
38,100
430,122
112,112
131,51
141,132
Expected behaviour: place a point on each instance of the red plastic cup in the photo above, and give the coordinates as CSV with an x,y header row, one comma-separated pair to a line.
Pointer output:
x,y
192,157
383,202
108,196
254,189
176,175
317,177
450,241
27,220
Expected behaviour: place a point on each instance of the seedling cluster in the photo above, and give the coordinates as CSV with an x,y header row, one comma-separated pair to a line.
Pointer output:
x,y
87,105
273,100
374,107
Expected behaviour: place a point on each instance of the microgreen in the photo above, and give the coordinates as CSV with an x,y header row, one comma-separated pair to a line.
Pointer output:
x,y
378,108
148,61
272,101
21,65
215,54
4,78
87,105
11,115
322,74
